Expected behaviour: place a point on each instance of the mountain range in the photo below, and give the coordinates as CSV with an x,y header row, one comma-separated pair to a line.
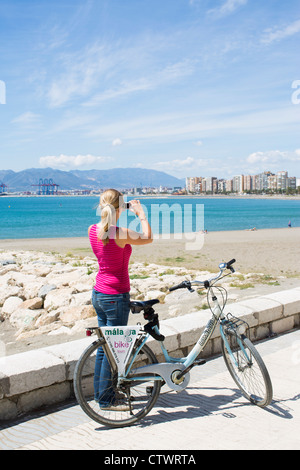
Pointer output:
x,y
119,178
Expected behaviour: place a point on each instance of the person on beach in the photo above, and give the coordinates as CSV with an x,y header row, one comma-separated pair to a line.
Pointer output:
x,y
110,296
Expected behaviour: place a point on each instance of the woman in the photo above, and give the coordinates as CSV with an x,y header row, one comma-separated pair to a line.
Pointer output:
x,y
112,247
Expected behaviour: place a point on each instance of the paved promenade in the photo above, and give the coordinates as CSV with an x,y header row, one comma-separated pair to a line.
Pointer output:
x,y
209,414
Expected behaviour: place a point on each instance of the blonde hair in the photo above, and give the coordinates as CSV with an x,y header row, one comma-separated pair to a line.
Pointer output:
x,y
110,201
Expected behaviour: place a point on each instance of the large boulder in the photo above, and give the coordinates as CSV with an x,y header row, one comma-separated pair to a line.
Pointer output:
x,y
10,305
58,298
24,318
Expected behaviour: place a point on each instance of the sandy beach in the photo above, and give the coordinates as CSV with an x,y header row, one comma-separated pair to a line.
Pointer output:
x,y
269,251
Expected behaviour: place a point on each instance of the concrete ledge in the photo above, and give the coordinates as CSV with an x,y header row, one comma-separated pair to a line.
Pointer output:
x,y
43,377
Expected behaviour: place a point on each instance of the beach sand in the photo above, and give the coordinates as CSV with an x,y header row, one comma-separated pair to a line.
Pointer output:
x,y
274,252
269,251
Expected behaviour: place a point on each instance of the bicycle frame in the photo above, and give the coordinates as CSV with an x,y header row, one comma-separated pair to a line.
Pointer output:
x,y
164,370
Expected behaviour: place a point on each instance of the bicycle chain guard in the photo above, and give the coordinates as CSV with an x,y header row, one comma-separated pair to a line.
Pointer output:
x,y
168,372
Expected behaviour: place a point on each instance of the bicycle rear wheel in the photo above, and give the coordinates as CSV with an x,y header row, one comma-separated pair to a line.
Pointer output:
x,y
140,396
248,369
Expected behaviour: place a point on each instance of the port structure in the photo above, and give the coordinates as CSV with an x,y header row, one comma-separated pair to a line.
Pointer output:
x,y
46,187
3,188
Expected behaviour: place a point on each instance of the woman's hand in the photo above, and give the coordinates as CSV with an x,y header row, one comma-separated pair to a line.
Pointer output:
x,y
131,237
136,208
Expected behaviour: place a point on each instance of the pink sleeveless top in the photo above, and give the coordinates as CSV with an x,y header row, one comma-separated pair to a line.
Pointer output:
x,y
113,276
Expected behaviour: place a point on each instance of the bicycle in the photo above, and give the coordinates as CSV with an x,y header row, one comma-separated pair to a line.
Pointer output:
x,y
138,377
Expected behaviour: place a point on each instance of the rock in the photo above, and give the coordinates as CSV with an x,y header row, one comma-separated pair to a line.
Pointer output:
x,y
24,318
8,268
45,290
133,292
83,286
174,310
144,285
32,304
11,304
24,334
22,279
155,294
80,326
63,330
58,298
71,315
65,277
8,291
47,318
84,298
181,296
31,288
8,261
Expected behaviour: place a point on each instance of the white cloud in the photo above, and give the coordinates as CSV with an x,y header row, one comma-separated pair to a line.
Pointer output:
x,y
80,75
154,79
227,8
184,164
116,142
276,34
263,157
27,119
67,161
273,157
191,125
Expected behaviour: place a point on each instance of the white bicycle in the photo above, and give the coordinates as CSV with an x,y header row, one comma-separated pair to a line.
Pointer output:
x,y
139,378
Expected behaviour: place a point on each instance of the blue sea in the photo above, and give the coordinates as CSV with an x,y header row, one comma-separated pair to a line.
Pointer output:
x,y
55,217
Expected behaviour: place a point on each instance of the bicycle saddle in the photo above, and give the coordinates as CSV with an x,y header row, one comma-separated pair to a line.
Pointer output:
x,y
137,306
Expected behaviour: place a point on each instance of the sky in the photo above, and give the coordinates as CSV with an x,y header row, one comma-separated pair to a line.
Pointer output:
x,y
188,87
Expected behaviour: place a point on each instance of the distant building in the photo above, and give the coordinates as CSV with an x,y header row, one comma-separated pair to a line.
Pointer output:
x,y
229,186
282,177
272,182
248,182
238,183
292,182
221,186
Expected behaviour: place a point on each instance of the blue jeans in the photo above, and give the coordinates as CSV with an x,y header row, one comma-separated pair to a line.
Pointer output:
x,y
112,310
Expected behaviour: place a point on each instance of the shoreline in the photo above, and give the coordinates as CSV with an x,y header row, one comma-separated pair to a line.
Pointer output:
x,y
168,196
270,251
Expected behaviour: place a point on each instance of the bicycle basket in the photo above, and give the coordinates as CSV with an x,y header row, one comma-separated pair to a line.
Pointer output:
x,y
235,326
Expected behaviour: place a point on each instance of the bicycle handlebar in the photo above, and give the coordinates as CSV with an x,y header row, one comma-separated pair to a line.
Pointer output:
x,y
182,285
230,263
188,284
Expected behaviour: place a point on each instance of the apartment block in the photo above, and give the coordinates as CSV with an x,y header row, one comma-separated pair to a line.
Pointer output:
x,y
262,182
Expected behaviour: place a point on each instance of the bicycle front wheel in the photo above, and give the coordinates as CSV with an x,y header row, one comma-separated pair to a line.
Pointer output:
x,y
139,395
248,369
